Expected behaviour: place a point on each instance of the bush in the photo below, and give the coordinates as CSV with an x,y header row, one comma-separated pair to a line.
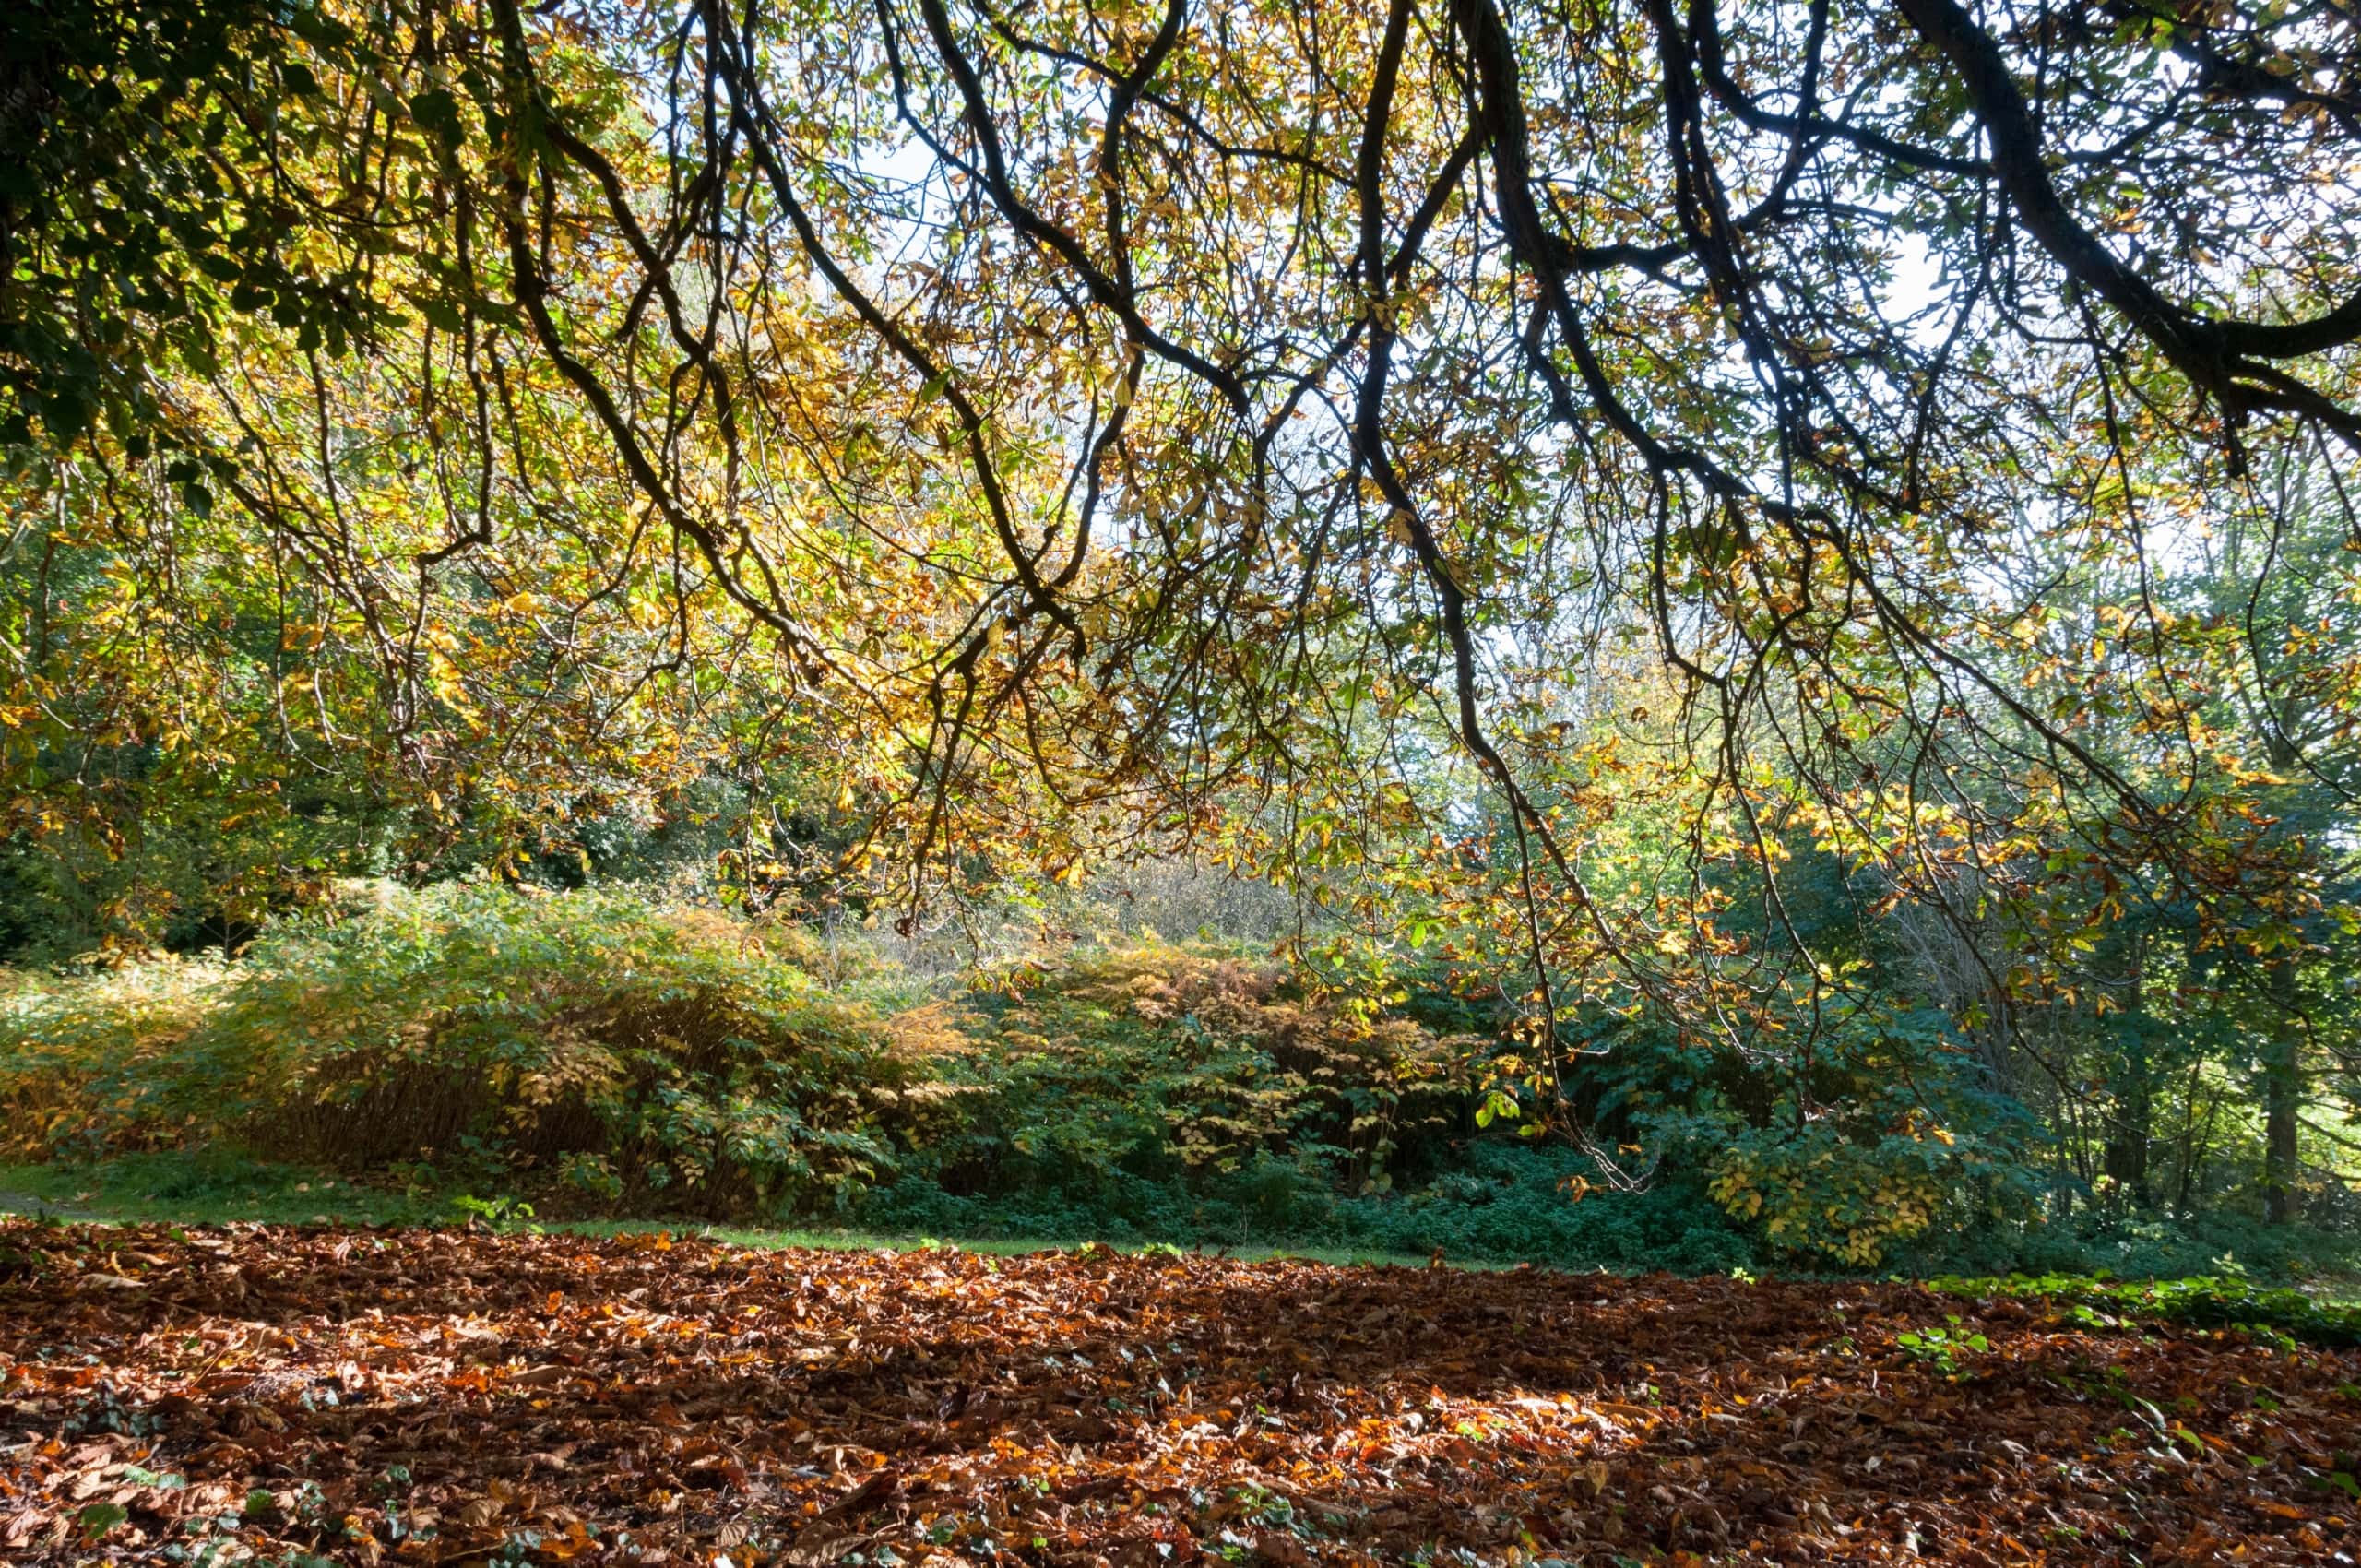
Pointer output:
x,y
607,1054
587,1041
78,1055
1510,1201
1862,1139
2138,1247
1125,1073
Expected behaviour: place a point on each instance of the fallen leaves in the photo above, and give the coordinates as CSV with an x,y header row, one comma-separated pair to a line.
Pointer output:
x,y
424,1397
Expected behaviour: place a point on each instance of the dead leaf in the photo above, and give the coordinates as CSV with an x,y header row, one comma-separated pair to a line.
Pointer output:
x,y
478,1513
1137,1410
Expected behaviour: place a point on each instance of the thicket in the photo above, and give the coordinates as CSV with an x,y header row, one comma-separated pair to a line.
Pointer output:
x,y
588,1043
596,1053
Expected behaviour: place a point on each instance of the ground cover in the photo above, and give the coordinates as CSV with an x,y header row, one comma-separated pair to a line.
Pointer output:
x,y
447,1395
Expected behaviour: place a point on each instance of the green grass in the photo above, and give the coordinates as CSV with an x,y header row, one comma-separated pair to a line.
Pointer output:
x,y
221,1189
198,1189
187,1189
2321,1315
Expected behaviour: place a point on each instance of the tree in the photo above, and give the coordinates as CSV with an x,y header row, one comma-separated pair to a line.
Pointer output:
x,y
1119,417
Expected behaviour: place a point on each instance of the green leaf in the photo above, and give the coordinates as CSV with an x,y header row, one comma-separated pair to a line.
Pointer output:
x,y
436,112
101,1517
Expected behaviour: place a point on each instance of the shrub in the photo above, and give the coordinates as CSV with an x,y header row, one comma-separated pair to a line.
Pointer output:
x,y
1211,1076
80,1052
1509,1200
2136,1247
611,1054
633,1052
1868,1134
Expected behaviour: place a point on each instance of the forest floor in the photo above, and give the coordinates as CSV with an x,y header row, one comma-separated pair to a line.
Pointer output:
x,y
215,1394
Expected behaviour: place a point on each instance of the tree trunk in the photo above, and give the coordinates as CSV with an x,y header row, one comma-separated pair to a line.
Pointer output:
x,y
2282,1085
2130,1127
2131,1114
2281,1099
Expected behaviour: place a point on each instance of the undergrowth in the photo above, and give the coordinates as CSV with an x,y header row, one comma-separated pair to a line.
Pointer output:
x,y
216,1189
590,1043
2201,1301
592,1055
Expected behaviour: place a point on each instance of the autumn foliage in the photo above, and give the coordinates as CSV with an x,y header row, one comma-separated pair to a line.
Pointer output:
x,y
593,1052
1801,553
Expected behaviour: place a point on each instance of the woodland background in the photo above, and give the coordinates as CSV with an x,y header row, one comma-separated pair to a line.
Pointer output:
x,y
1613,633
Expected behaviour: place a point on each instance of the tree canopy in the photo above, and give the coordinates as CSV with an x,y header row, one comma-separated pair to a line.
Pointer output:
x,y
1562,475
